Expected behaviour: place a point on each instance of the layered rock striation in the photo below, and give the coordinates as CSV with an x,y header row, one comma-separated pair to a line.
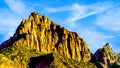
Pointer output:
x,y
41,34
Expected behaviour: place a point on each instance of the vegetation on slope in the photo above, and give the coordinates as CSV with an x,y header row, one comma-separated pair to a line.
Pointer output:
x,y
22,58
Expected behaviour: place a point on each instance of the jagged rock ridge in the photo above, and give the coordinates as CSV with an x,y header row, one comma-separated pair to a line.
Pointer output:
x,y
105,55
39,42
40,34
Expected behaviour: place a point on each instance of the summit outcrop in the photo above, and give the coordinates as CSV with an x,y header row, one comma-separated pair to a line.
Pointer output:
x,y
106,56
41,34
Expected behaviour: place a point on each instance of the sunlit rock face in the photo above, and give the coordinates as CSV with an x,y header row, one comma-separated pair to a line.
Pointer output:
x,y
105,55
41,34
40,43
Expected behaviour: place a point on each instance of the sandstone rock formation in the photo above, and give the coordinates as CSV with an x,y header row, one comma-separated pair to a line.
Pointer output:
x,y
39,42
40,34
105,55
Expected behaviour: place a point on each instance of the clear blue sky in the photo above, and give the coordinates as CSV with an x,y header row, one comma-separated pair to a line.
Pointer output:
x,y
96,21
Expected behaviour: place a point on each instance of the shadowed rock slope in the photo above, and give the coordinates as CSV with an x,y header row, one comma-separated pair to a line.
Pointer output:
x,y
105,57
36,36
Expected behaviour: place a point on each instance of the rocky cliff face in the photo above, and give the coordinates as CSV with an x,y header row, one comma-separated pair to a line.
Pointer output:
x,y
40,34
39,42
105,55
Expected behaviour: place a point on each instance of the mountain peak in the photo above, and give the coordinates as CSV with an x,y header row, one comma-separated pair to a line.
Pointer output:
x,y
35,16
105,55
35,13
42,35
39,42
107,48
107,45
